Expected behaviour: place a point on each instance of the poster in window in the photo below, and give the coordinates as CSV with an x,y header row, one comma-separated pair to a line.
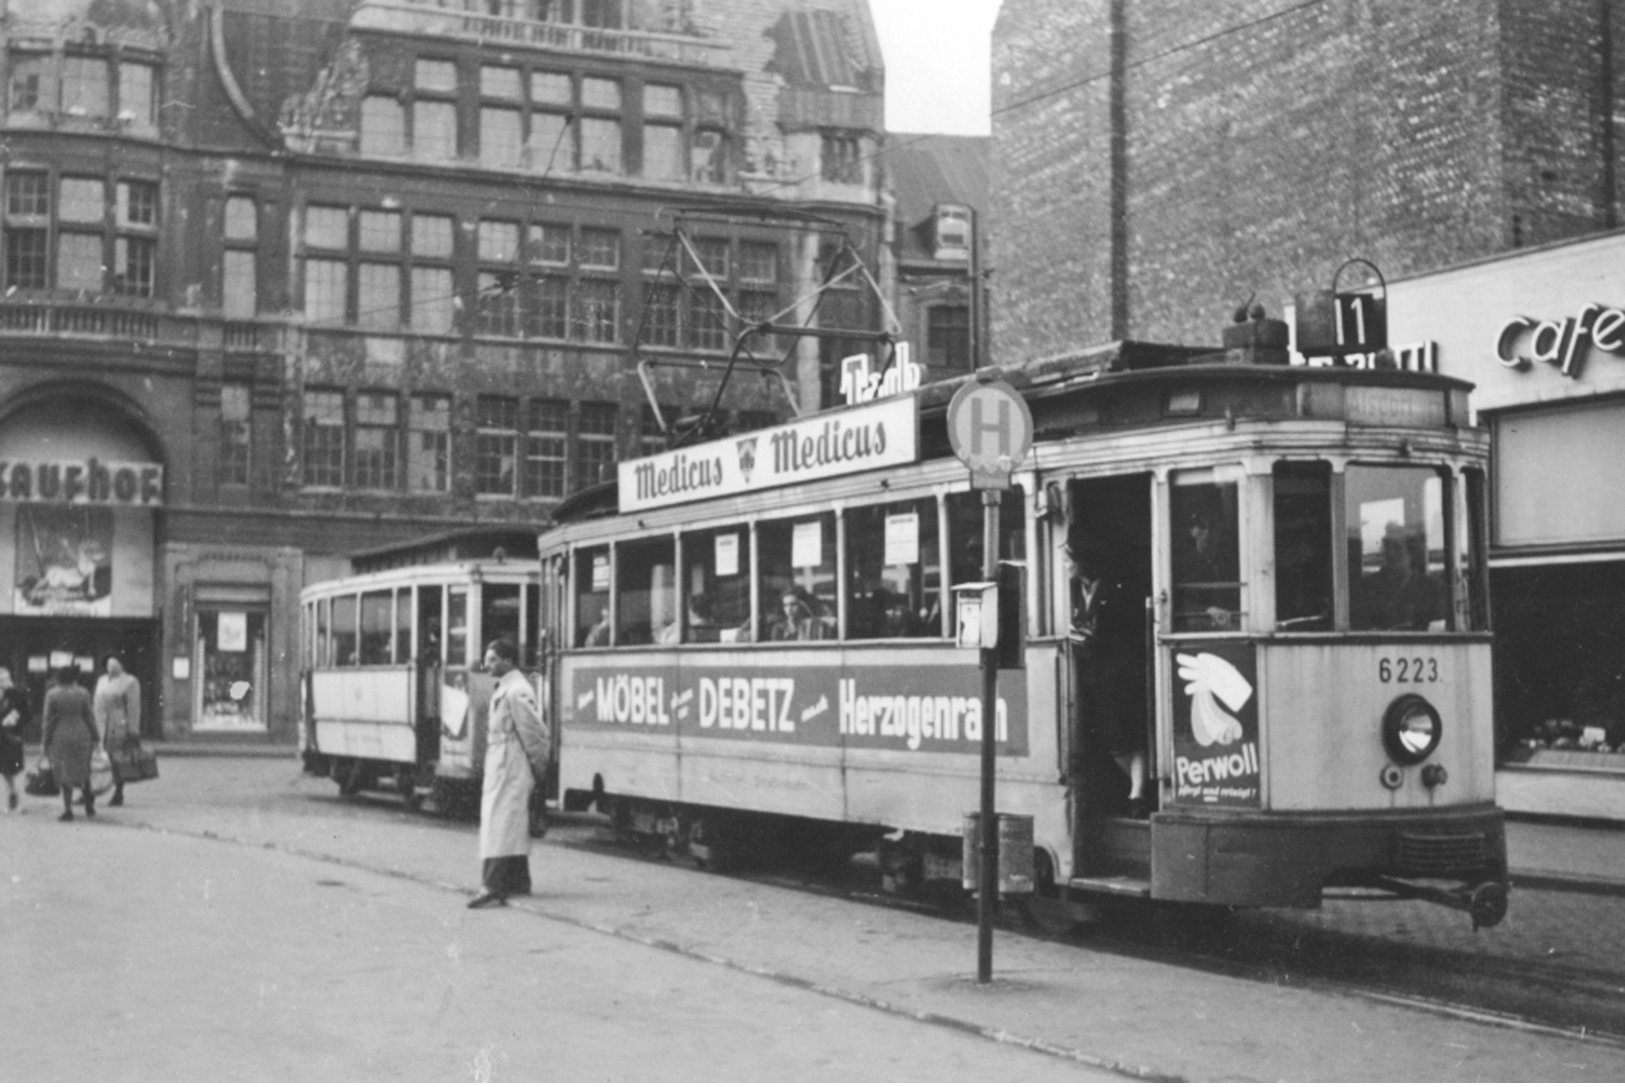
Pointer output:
x,y
807,544
902,539
64,561
600,573
728,555
231,635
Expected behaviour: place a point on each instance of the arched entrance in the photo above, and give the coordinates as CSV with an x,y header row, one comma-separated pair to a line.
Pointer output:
x,y
81,480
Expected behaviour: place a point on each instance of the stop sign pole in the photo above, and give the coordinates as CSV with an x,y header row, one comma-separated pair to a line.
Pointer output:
x,y
991,431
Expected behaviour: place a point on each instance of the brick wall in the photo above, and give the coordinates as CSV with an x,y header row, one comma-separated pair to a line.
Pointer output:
x,y
1258,159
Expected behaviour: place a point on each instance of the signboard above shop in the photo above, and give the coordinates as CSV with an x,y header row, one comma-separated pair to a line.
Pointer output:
x,y
882,434
91,481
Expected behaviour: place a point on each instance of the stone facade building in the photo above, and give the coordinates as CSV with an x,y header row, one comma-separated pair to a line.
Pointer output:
x,y
286,280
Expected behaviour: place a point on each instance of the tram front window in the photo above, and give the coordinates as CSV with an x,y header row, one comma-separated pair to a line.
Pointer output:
x,y
645,591
893,570
1396,548
499,614
1207,577
1303,547
798,578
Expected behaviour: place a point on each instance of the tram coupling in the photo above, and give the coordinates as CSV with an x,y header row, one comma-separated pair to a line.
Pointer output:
x,y
1485,903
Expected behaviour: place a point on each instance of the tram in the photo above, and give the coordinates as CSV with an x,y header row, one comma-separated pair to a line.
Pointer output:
x,y
393,694
754,637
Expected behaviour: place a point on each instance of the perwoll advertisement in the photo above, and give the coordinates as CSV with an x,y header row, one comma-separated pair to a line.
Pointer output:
x,y
1216,726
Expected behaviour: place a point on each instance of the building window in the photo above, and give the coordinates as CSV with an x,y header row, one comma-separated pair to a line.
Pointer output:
x,y
595,444
549,243
435,75
383,125
662,100
377,441
326,291
545,447
552,88
434,131
324,438
663,158
26,261
841,157
662,309
550,308
138,96
651,437
600,249
759,262
502,140
327,227
597,93
708,156
85,86
434,302
28,193
79,261
495,443
239,287
947,337
429,453
601,145
236,434
499,284
500,82
242,219
600,310
31,84
83,200
378,296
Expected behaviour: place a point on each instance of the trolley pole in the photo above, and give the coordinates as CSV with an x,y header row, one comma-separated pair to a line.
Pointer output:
x,y
987,895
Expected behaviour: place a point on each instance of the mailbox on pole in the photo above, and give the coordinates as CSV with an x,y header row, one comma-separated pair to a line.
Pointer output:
x,y
991,430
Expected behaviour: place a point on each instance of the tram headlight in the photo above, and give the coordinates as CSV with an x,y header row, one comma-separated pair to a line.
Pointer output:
x,y
1411,729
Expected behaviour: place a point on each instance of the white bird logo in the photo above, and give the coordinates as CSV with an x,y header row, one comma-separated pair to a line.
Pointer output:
x,y
1211,679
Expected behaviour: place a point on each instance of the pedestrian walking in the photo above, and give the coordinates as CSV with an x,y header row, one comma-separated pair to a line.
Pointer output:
x,y
516,753
118,716
13,717
70,738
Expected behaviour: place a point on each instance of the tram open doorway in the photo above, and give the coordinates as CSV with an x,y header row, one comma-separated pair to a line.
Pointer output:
x,y
35,647
1109,540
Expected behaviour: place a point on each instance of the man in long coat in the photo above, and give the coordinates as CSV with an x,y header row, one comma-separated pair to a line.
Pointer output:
x,y
517,748
118,715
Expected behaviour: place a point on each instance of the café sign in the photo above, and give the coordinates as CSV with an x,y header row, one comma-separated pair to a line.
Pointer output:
x,y
881,434
88,482
1564,344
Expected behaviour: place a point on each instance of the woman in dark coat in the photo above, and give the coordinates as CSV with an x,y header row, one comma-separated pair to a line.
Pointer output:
x,y
70,737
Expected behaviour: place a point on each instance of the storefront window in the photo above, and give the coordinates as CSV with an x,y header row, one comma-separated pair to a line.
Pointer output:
x,y
231,667
1396,548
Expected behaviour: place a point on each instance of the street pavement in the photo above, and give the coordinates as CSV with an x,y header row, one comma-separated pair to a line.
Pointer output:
x,y
240,921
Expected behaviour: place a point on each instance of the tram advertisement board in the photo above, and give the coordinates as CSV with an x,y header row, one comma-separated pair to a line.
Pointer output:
x,y
877,435
1216,725
920,708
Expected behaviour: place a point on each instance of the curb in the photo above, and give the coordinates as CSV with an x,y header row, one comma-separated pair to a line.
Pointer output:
x,y
1565,881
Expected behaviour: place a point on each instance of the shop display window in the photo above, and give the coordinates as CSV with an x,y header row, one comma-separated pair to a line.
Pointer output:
x,y
1560,666
230,666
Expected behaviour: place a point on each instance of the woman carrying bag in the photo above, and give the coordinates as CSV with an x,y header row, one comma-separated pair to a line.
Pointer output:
x,y
70,739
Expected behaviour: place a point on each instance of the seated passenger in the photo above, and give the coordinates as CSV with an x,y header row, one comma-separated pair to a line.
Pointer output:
x,y
1399,596
702,627
797,620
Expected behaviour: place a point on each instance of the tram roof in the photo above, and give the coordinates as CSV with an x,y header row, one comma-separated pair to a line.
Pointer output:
x,y
463,544
1121,385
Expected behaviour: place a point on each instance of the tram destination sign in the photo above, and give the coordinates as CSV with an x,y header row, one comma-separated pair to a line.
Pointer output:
x,y
882,434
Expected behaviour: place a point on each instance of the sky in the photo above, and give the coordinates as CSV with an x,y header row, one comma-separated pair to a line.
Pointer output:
x,y
936,54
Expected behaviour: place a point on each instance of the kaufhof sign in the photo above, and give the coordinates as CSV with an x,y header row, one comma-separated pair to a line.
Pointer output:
x,y
878,435
88,482
1562,343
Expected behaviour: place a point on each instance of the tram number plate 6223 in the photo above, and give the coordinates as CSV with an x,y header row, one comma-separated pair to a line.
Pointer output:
x,y
1408,669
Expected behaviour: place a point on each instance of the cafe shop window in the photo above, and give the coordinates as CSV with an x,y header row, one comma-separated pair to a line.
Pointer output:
x,y
230,663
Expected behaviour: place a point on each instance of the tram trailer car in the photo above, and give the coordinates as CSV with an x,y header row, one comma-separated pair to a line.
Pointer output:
x,y
1314,695
394,695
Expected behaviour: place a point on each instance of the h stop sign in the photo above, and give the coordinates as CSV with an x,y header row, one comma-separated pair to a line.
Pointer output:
x,y
991,430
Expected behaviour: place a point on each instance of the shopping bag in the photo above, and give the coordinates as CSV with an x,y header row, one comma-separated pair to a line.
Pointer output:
x,y
101,772
132,762
41,781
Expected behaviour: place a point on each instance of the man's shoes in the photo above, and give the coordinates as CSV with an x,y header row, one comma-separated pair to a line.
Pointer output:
x,y
65,817
487,898
11,802
116,802
1139,807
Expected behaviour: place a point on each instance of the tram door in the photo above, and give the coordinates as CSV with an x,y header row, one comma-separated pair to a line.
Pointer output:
x,y
1109,539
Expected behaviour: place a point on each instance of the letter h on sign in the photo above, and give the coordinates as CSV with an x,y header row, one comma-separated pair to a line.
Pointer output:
x,y
991,431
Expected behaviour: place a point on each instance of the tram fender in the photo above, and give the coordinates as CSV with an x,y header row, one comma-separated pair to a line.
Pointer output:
x,y
1229,865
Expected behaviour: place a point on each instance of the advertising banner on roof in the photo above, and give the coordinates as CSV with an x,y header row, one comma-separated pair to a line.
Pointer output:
x,y
877,435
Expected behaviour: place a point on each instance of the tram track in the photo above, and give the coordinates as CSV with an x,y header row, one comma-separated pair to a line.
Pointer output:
x,y
1272,947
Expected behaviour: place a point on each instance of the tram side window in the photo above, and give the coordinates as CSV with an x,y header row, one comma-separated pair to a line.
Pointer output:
x,y
645,590
376,625
530,647
716,586
499,614
429,624
403,625
893,570
457,625
1474,571
324,634
1303,546
1207,569
1396,547
592,597
344,631
965,532
798,578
